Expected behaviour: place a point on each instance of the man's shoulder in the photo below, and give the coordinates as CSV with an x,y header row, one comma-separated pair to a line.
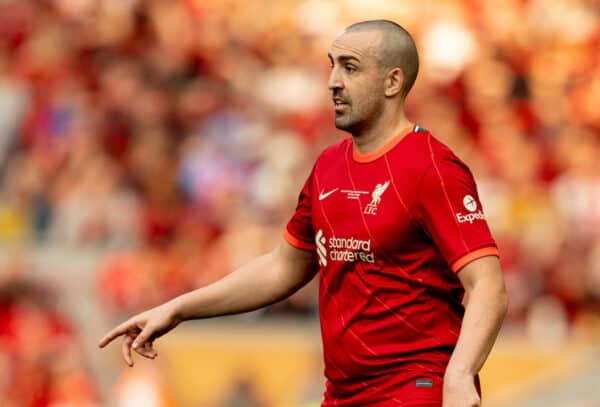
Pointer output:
x,y
440,158
427,145
335,151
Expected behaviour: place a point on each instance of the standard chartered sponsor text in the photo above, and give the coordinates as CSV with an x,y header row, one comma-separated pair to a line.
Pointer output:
x,y
349,243
350,249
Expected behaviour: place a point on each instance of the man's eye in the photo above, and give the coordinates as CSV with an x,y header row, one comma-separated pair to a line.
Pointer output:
x,y
349,68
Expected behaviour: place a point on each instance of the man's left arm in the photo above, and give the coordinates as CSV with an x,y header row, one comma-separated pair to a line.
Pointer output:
x,y
485,308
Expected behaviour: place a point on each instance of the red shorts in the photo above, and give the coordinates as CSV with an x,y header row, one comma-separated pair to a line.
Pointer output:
x,y
413,390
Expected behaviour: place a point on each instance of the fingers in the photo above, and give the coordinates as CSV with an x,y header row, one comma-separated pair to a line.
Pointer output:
x,y
116,332
126,349
149,348
134,337
143,337
146,350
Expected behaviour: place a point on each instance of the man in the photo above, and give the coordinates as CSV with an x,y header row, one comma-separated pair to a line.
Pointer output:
x,y
391,220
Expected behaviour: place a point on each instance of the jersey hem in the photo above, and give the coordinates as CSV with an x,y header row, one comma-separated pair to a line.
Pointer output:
x,y
297,243
472,256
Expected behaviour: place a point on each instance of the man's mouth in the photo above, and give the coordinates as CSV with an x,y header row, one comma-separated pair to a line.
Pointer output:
x,y
340,104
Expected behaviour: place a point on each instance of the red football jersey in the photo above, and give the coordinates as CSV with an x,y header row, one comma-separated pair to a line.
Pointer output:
x,y
390,230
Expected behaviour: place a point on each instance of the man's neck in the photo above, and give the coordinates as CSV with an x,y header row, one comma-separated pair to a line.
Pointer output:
x,y
378,135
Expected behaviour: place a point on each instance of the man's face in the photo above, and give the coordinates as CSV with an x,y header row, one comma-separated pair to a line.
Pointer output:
x,y
356,80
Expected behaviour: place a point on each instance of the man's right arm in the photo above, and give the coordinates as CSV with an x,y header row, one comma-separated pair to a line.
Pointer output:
x,y
263,281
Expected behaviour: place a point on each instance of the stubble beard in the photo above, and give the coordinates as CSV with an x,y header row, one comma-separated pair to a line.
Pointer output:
x,y
355,121
345,121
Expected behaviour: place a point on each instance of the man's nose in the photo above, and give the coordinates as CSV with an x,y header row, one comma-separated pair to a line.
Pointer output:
x,y
334,81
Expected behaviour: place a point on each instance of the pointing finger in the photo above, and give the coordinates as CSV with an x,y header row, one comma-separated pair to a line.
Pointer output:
x,y
118,331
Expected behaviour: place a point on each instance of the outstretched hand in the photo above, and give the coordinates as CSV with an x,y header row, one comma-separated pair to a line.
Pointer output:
x,y
141,330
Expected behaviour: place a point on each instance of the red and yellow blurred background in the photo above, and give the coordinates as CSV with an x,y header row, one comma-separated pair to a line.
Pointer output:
x,y
148,147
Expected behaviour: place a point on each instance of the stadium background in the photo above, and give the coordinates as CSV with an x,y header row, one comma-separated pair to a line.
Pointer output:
x,y
148,147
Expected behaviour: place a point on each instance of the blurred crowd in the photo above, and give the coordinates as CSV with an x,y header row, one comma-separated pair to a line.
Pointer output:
x,y
174,136
41,358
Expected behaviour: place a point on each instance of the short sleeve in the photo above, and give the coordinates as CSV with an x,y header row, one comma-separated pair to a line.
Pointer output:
x,y
451,214
299,231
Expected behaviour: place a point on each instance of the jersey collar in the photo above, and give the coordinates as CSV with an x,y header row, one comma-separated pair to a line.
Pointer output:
x,y
373,155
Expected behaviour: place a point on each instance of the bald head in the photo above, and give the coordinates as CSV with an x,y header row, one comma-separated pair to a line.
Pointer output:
x,y
396,49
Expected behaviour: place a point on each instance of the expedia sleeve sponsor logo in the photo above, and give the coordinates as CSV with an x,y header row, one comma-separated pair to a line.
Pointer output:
x,y
343,249
470,204
470,217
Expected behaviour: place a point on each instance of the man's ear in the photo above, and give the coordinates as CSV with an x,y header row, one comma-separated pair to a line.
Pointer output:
x,y
394,82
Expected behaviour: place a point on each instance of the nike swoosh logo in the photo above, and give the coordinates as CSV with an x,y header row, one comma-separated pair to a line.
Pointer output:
x,y
326,194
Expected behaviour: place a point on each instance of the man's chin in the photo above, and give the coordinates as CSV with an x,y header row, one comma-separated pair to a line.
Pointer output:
x,y
342,123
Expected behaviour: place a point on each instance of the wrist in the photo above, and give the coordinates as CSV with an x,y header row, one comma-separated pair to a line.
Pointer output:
x,y
176,309
459,370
